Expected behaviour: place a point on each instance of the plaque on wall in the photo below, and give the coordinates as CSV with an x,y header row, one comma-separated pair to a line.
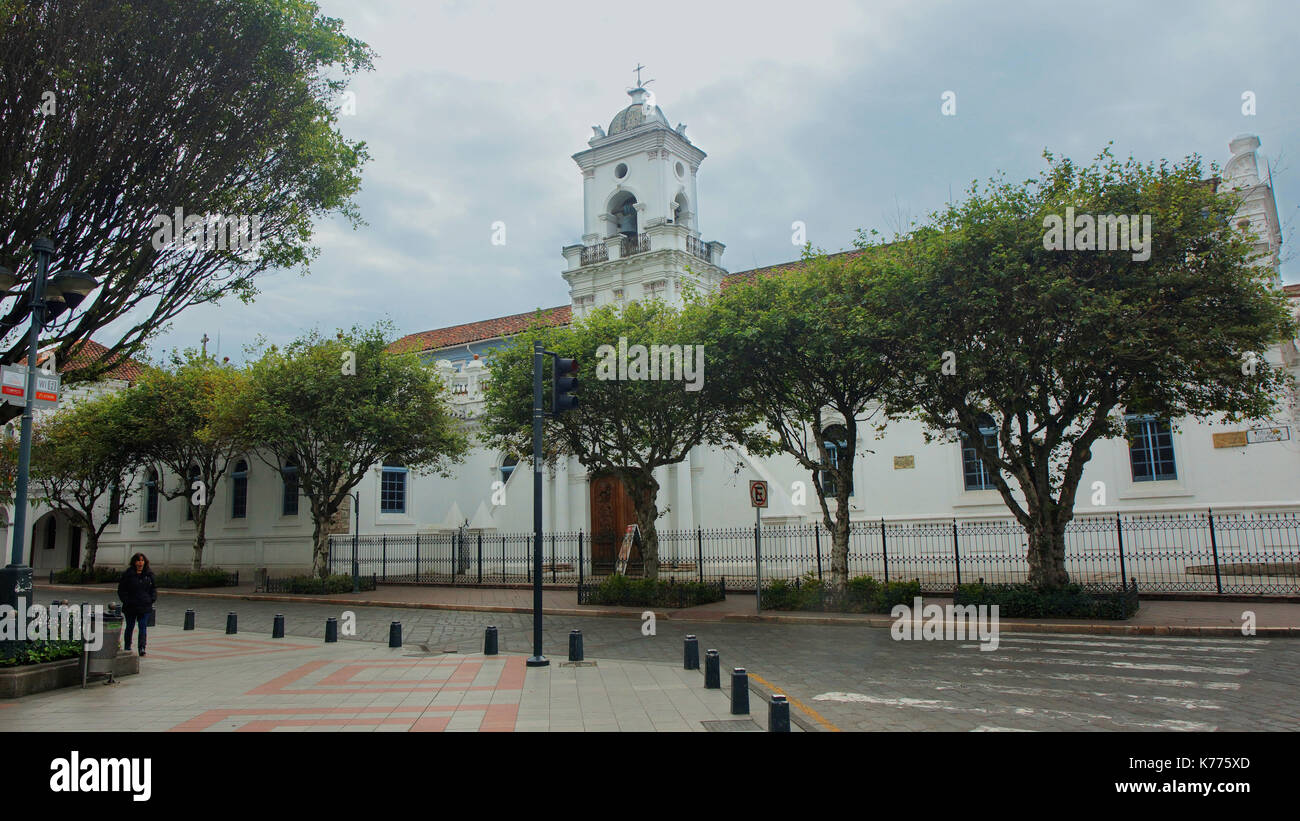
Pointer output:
x,y
1235,439
1277,433
904,462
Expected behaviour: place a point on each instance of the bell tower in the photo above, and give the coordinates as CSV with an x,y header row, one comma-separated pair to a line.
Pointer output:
x,y
641,237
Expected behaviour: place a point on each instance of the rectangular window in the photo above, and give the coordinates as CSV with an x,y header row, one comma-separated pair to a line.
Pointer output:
x,y
1151,449
114,505
392,490
151,498
656,290
976,475
239,491
289,505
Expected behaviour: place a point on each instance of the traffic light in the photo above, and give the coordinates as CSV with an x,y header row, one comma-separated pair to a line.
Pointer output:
x,y
565,383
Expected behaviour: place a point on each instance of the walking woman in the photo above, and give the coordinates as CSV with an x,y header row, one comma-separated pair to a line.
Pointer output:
x,y
137,592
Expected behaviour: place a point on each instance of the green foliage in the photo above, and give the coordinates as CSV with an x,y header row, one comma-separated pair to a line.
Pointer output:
x,y
861,594
215,106
626,427
1055,346
1072,601
336,583
206,577
336,407
96,575
20,653
621,590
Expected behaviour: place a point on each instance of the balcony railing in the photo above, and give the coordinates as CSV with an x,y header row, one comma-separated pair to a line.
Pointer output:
x,y
593,254
632,246
699,248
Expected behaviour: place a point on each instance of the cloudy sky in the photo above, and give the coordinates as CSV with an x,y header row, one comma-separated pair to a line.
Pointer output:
x,y
824,112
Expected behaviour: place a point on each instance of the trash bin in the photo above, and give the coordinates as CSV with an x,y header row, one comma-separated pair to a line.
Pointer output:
x,y
100,662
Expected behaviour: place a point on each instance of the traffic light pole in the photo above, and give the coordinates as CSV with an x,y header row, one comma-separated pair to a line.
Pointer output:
x,y
539,360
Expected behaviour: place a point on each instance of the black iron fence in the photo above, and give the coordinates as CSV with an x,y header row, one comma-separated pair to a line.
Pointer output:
x,y
1194,552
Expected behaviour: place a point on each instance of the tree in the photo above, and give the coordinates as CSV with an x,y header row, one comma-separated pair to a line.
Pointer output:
x,y
335,407
81,455
629,421
1050,347
190,417
118,114
806,347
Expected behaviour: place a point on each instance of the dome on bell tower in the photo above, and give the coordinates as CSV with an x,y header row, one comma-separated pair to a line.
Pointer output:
x,y
638,113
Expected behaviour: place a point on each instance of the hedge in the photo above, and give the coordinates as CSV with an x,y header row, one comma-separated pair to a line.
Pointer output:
x,y
620,590
1074,601
862,594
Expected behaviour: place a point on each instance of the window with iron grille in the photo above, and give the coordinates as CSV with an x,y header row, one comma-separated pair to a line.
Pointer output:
x,y
289,504
837,448
976,474
392,489
1151,448
239,491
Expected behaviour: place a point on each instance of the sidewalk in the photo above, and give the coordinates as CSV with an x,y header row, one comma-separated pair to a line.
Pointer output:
x,y
1156,617
207,681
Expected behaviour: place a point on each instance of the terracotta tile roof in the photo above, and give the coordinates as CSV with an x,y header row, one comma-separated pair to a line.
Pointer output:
x,y
440,338
90,352
1292,291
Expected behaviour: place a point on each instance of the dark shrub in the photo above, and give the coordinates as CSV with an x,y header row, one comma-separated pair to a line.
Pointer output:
x,y
1074,601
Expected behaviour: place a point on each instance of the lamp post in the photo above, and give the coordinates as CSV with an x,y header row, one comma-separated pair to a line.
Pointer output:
x,y
356,532
64,291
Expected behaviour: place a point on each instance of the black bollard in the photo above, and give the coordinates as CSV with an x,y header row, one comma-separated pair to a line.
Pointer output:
x,y
189,620
691,654
395,634
575,645
739,692
712,671
778,715
232,623
490,641
331,630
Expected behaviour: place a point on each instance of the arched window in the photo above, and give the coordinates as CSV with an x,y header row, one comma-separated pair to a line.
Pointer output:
x,y
289,504
508,465
392,488
837,448
151,496
239,491
195,473
623,209
976,475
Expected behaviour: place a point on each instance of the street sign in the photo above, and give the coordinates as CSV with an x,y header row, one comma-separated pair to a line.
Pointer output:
x,y
757,493
13,386
631,537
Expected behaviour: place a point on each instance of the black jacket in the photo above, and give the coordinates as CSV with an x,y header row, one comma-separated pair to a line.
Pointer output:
x,y
137,592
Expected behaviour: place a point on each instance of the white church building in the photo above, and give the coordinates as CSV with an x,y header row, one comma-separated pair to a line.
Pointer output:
x,y
641,238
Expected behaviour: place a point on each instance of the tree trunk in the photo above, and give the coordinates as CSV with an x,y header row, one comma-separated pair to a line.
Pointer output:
x,y
92,547
1047,555
200,536
840,547
645,493
320,537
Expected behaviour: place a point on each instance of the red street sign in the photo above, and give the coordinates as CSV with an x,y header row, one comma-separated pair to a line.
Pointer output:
x,y
757,493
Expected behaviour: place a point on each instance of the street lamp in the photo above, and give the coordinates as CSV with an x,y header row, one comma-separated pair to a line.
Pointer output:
x,y
64,291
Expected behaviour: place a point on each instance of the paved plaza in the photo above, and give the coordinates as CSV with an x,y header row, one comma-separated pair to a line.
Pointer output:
x,y
837,676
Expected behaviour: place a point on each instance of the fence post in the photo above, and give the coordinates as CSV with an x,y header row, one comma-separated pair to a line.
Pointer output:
x,y
528,556
417,558
1214,546
579,559
552,558
480,557
503,558
817,536
699,548
1119,538
384,557
884,550
955,551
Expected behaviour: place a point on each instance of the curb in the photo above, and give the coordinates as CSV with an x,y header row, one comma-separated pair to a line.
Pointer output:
x,y
1007,625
